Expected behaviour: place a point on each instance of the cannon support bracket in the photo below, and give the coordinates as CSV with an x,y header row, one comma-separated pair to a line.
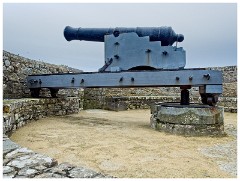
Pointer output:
x,y
128,51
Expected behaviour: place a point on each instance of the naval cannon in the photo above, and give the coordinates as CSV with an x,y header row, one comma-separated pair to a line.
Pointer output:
x,y
164,34
135,57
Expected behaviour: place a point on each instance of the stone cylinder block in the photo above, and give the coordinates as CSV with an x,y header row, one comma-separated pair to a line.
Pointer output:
x,y
191,120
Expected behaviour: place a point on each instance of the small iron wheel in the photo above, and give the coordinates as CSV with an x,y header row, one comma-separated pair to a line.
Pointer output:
x,y
209,99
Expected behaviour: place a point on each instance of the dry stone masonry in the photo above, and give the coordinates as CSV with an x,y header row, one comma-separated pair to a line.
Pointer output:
x,y
17,68
18,112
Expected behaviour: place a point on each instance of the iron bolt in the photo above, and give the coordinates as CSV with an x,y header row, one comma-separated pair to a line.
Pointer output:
x,y
177,78
164,52
207,76
190,78
121,79
148,51
116,56
116,33
116,43
132,79
40,81
72,81
82,81
32,81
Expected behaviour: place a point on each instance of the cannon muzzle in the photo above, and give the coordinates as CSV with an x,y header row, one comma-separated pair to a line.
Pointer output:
x,y
164,34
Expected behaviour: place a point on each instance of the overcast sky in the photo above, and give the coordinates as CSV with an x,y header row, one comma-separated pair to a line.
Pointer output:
x,y
36,30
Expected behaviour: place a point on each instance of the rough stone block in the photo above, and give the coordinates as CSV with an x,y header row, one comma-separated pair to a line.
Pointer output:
x,y
7,108
192,120
81,172
190,115
9,146
8,170
27,172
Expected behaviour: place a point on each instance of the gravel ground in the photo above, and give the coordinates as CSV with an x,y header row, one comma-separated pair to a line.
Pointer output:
x,y
225,154
122,144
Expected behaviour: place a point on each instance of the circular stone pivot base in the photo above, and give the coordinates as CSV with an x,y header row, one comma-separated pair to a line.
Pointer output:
x,y
188,120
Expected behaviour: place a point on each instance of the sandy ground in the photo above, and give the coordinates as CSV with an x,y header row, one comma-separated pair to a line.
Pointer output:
x,y
122,144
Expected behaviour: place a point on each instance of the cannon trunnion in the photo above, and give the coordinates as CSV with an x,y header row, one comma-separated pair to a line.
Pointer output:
x,y
135,57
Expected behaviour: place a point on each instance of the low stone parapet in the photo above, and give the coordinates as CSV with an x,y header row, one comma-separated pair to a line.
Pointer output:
x,y
144,102
18,112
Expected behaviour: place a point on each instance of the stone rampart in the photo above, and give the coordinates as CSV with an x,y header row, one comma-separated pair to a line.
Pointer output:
x,y
16,68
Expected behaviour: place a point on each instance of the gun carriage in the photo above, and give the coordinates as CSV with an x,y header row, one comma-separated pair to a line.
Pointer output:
x,y
135,57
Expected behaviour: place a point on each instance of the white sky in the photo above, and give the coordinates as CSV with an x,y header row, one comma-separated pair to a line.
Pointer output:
x,y
36,30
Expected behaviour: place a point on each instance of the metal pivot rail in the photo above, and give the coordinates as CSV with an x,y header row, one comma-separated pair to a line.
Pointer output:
x,y
208,81
135,57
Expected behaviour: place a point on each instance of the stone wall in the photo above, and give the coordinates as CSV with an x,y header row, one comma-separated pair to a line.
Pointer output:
x,y
141,98
17,68
18,112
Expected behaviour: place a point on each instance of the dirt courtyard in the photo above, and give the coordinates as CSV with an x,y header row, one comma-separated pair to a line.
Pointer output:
x,y
122,144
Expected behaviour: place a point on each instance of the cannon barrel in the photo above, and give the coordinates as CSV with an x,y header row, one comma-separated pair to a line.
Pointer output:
x,y
164,34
